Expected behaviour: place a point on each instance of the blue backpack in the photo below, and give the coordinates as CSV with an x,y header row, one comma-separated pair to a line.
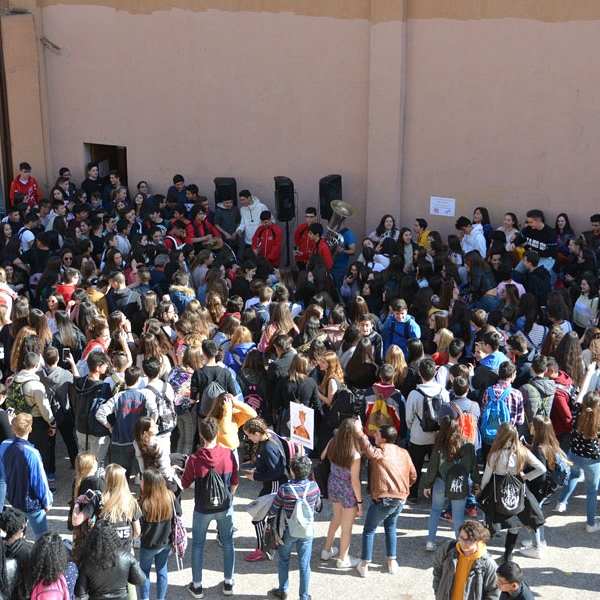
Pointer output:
x,y
495,413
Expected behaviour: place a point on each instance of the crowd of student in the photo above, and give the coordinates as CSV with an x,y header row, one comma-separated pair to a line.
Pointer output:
x,y
124,321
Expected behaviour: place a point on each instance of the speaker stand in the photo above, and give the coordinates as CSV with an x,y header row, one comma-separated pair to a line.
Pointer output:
x,y
287,242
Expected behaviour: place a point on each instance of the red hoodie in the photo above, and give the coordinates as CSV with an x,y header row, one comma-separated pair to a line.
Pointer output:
x,y
560,414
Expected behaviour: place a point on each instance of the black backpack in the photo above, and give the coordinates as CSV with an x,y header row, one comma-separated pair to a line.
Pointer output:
x,y
431,407
343,406
509,494
213,495
457,482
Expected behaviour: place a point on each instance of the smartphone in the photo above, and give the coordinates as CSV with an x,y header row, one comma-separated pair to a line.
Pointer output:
x,y
65,353
90,494
10,410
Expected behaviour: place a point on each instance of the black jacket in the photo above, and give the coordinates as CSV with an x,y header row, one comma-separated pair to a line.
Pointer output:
x,y
538,283
110,583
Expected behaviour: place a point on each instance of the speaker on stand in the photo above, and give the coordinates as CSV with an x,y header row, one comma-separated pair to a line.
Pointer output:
x,y
330,189
285,206
225,189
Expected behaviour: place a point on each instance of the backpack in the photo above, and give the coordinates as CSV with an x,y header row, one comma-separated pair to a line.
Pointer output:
x,y
178,539
403,335
167,418
290,449
495,412
457,482
467,422
301,521
572,391
210,393
253,396
431,406
57,590
213,495
509,494
559,476
180,381
343,406
15,397
542,407
378,416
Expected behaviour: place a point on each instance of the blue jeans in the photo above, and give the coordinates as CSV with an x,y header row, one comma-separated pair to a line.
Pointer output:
x,y
376,515
304,549
160,556
200,525
2,493
591,472
438,503
37,520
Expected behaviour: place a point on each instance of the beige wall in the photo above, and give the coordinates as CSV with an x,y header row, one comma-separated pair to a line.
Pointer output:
x,y
488,103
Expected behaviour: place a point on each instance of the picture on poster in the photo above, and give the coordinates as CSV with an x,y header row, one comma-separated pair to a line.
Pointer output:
x,y
302,424
444,207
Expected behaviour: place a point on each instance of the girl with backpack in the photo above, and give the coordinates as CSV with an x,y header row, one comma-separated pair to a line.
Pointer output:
x,y
51,575
159,507
545,448
508,456
453,463
269,468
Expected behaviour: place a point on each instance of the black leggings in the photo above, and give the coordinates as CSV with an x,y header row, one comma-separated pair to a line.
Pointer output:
x,y
269,487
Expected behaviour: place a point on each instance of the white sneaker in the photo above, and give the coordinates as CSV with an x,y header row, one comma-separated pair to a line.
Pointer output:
x,y
595,528
325,555
529,543
560,507
532,552
349,563
363,571
430,547
393,567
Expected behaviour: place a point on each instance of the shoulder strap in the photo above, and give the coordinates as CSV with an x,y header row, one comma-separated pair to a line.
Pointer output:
x,y
456,408
505,393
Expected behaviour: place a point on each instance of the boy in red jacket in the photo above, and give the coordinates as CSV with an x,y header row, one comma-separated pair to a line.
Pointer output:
x,y
25,184
267,239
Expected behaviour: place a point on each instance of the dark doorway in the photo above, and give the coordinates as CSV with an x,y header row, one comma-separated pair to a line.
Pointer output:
x,y
108,157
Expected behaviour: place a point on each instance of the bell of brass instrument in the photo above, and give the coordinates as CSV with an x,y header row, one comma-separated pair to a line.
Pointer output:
x,y
341,210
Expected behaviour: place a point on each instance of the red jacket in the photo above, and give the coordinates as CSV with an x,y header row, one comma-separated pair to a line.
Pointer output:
x,y
560,414
267,240
303,243
323,249
195,230
30,189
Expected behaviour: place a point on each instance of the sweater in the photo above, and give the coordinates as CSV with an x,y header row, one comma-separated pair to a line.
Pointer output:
x,y
440,467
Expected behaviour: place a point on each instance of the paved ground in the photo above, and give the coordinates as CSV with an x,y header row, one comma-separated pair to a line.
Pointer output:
x,y
570,569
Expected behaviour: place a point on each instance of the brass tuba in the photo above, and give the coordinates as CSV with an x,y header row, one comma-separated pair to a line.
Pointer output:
x,y
341,210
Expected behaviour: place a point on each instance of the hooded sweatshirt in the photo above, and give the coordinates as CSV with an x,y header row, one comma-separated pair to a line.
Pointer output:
x,y
475,240
198,467
560,415
393,411
35,396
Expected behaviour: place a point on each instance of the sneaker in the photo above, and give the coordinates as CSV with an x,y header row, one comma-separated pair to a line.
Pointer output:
x,y
255,556
278,593
430,547
560,507
472,512
532,552
529,543
411,500
393,566
325,555
446,516
228,588
349,563
196,592
595,528
363,570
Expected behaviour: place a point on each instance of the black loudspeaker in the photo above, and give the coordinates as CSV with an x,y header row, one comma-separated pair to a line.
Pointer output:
x,y
330,188
284,199
225,189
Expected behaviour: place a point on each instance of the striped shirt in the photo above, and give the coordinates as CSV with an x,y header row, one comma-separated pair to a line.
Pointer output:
x,y
285,497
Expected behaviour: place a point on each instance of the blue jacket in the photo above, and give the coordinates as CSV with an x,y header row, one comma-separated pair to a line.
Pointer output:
x,y
26,483
494,360
396,332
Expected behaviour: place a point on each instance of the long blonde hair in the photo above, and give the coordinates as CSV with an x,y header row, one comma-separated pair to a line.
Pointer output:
x,y
334,369
588,424
395,357
157,499
119,503
507,439
85,465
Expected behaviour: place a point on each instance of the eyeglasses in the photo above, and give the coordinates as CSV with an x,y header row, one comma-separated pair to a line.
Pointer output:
x,y
466,540
67,258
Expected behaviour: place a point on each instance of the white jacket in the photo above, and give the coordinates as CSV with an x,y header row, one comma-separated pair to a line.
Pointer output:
x,y
474,241
250,219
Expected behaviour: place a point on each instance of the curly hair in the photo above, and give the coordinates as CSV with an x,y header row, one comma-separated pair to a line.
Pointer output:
x,y
475,531
49,559
103,545
12,520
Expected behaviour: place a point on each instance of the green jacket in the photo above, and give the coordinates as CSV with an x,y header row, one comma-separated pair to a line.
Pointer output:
x,y
439,467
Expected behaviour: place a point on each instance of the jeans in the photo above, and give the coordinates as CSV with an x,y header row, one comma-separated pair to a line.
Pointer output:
x,y
37,520
200,525
438,502
124,455
2,493
417,453
303,549
160,556
591,472
376,515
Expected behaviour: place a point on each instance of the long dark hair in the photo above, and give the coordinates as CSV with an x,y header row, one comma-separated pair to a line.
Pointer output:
x,y
449,440
49,559
343,446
